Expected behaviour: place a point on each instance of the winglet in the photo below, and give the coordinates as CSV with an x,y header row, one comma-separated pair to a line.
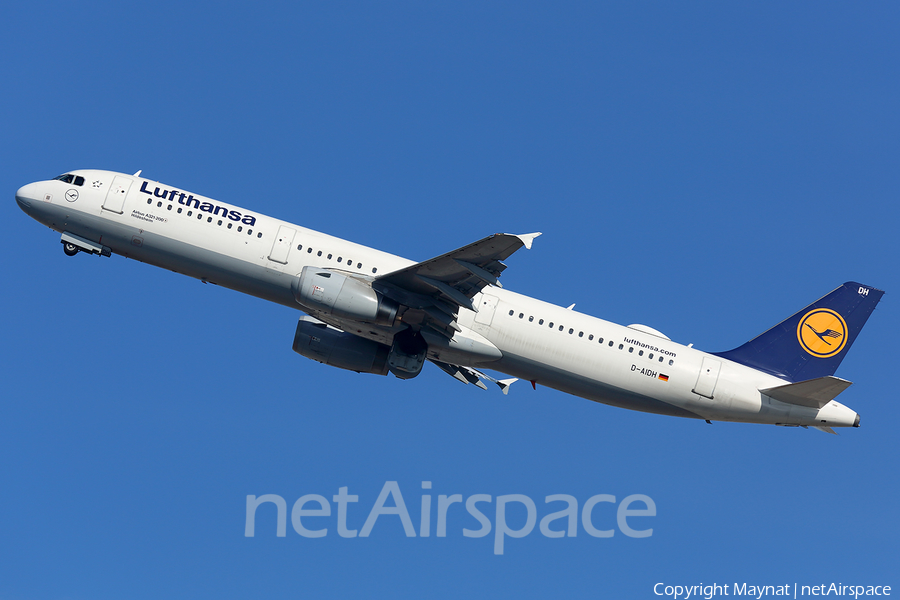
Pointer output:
x,y
527,238
138,174
505,383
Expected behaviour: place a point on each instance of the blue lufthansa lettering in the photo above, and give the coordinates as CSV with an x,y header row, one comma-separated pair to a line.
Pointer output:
x,y
189,200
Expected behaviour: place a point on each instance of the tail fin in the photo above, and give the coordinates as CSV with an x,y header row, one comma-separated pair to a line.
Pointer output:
x,y
813,342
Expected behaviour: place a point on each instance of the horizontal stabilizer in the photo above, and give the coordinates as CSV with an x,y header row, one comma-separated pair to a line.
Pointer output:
x,y
814,393
825,429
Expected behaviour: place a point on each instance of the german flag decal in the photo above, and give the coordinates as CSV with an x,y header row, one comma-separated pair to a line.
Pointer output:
x,y
663,377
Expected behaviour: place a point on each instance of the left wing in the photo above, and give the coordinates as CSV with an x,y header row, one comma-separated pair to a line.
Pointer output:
x,y
440,286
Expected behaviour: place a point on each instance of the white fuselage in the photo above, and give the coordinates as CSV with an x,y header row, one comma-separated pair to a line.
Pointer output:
x,y
262,256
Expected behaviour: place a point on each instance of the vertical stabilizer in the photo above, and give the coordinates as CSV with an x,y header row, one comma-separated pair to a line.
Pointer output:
x,y
813,342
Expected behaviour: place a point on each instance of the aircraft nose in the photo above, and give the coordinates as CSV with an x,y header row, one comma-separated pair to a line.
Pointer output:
x,y
27,195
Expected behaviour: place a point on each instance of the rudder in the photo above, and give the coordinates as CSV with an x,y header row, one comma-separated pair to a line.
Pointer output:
x,y
812,342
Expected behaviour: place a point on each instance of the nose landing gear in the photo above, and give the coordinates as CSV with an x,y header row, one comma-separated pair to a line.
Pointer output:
x,y
73,244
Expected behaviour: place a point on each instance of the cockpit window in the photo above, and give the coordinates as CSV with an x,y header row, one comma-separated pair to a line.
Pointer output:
x,y
69,178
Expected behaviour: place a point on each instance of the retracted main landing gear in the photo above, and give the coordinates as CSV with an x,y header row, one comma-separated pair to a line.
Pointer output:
x,y
73,244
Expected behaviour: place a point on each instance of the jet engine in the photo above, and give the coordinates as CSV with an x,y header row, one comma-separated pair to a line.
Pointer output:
x,y
336,294
318,341
407,354
326,344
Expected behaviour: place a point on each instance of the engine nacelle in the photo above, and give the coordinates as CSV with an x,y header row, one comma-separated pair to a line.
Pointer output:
x,y
407,354
337,348
335,294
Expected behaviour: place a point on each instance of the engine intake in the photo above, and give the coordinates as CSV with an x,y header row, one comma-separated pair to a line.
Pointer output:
x,y
336,294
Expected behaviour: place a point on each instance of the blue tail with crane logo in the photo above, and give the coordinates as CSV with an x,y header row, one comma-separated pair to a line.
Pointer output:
x,y
813,342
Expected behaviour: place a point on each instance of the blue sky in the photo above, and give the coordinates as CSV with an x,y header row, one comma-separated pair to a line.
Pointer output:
x,y
706,169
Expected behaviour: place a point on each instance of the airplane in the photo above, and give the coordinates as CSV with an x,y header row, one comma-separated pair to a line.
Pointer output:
x,y
373,312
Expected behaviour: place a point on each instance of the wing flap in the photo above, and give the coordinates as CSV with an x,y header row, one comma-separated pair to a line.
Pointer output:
x,y
469,375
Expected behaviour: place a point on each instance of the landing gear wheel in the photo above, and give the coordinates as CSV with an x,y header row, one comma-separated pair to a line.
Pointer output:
x,y
70,249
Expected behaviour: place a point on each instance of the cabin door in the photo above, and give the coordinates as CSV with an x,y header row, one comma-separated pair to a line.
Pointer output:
x,y
115,197
708,377
282,245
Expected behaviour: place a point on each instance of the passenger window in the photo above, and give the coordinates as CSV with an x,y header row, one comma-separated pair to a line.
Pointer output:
x,y
149,200
600,341
374,269
631,349
240,228
620,345
220,222
319,253
329,257
158,204
259,235
521,315
249,232
650,356
591,337
551,324
530,319
580,334
359,265
309,250
671,362
611,344
209,219
511,312
541,322
340,259
190,213
560,327
199,217
179,210
299,246
229,225
571,331
641,353
660,359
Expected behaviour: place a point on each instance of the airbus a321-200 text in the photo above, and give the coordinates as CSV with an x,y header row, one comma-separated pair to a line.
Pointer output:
x,y
373,312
